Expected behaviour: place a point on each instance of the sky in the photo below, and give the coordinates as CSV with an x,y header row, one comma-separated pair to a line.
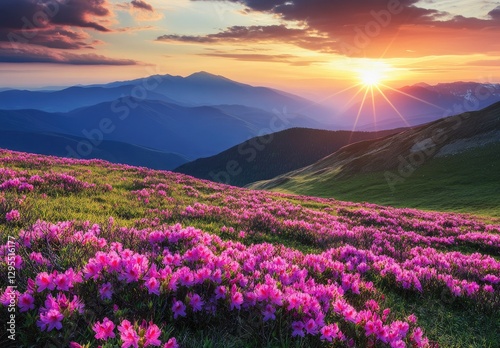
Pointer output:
x,y
303,46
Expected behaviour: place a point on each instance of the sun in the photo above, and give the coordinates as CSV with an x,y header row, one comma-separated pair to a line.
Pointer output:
x,y
371,77
372,73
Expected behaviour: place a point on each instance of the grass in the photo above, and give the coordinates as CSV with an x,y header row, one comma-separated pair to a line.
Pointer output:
x,y
449,323
465,183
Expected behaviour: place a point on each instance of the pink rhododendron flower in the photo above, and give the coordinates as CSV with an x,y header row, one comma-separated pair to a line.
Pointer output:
x,y
172,343
104,330
220,292
151,336
26,302
50,320
329,332
179,309
153,286
13,215
196,302
44,281
106,291
128,335
298,329
9,296
311,327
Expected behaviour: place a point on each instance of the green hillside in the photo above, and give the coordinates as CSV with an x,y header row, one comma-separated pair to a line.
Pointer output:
x,y
457,170
265,157
468,182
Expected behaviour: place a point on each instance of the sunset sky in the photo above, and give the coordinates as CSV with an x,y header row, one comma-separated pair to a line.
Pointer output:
x,y
307,46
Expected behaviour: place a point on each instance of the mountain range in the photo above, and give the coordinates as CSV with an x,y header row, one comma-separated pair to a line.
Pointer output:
x,y
189,117
198,89
192,132
176,119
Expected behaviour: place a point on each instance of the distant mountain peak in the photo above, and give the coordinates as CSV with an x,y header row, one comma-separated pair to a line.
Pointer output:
x,y
422,84
203,75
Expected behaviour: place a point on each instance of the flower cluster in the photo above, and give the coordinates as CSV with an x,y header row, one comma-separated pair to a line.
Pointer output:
x,y
52,181
171,275
196,272
13,215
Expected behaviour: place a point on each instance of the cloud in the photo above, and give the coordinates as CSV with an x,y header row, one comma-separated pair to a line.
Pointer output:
x,y
339,17
140,10
485,62
59,37
33,14
42,55
495,13
257,57
51,23
271,33
135,29
79,13
238,33
368,28
43,31
139,4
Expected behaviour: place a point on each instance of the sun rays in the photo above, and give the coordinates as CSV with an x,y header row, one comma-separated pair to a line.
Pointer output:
x,y
370,100
371,88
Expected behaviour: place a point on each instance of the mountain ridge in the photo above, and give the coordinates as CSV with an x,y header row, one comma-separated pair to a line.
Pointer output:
x,y
192,131
197,89
64,145
405,170
264,157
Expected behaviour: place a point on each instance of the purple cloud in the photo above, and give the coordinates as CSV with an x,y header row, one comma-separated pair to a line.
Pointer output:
x,y
33,14
30,54
142,5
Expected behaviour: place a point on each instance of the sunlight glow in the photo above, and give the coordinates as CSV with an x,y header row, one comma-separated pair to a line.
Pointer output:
x,y
372,73
370,77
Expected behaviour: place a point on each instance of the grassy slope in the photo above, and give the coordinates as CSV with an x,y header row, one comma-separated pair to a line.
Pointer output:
x,y
467,182
449,324
266,157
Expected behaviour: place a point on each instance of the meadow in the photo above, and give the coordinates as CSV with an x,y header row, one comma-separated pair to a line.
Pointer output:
x,y
451,184
100,254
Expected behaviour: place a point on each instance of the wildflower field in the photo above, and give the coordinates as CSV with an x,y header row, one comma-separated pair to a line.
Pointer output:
x,y
99,254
